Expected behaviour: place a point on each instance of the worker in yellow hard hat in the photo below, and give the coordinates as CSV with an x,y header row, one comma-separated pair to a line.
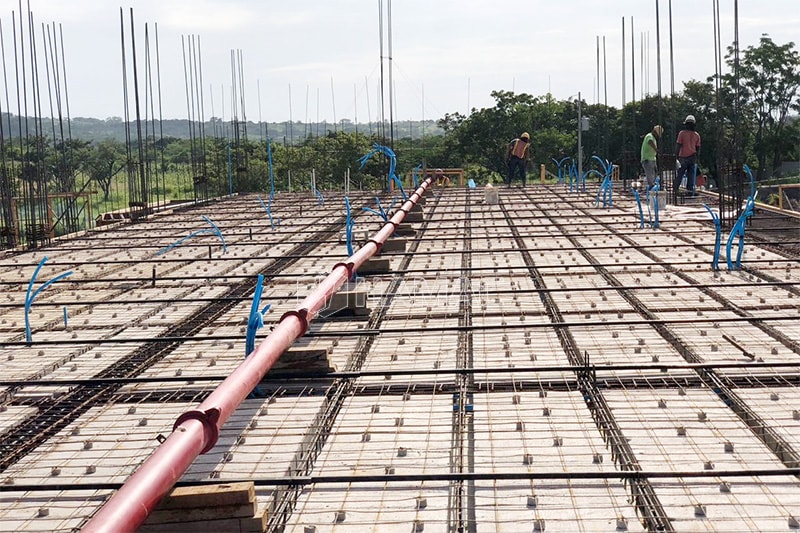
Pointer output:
x,y
517,155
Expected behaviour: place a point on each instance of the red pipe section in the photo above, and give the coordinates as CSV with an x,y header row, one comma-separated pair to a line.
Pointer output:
x,y
196,432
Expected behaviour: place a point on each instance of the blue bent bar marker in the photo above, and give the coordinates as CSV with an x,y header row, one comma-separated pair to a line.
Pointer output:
x,y
214,229
718,239
30,297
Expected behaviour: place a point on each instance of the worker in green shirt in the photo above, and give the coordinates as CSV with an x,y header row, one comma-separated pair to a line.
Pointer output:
x,y
648,157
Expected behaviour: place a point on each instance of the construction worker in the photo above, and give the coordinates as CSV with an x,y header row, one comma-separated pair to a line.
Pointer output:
x,y
442,180
517,156
687,146
648,154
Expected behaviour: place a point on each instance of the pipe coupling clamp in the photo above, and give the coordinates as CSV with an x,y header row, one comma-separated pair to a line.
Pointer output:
x,y
209,419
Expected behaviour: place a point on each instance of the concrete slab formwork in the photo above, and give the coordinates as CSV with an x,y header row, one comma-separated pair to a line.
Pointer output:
x,y
539,364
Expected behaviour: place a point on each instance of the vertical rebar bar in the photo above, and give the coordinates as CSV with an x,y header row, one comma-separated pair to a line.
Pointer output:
x,y
143,196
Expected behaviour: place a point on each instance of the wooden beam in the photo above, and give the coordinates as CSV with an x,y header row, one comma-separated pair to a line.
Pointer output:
x,y
209,496
194,514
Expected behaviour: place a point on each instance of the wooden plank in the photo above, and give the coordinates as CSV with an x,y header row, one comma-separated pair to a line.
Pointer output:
x,y
193,514
345,299
394,245
374,266
254,524
209,496
233,525
414,216
405,230
303,360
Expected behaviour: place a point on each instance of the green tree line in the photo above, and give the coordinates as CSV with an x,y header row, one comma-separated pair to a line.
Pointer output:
x,y
752,119
748,118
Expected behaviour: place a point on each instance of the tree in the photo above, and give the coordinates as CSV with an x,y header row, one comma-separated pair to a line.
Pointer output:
x,y
64,161
104,162
769,85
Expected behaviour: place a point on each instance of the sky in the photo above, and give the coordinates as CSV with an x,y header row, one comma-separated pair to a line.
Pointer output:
x,y
321,59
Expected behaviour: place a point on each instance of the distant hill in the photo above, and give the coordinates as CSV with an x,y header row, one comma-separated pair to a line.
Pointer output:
x,y
97,129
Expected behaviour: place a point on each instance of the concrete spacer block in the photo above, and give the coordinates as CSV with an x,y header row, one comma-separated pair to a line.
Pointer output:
x,y
700,510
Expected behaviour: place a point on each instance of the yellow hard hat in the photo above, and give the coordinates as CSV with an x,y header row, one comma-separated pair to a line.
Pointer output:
x,y
525,135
